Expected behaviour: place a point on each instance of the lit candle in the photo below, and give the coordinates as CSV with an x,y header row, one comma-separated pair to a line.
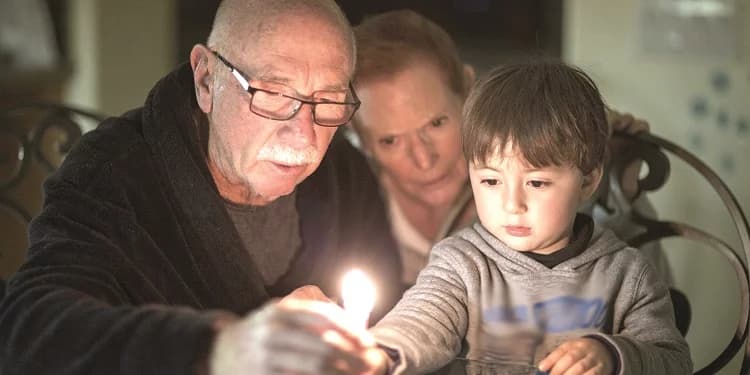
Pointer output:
x,y
358,293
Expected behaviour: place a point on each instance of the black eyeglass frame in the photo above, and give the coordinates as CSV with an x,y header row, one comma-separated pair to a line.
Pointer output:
x,y
244,81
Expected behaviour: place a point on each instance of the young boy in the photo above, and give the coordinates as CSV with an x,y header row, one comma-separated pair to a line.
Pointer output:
x,y
534,284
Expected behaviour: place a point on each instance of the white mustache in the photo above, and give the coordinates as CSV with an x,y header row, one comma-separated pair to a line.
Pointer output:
x,y
289,156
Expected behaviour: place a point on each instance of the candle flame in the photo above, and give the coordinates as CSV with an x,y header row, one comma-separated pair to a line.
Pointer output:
x,y
358,293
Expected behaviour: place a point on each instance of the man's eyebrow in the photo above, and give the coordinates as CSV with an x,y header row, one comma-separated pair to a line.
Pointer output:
x,y
271,77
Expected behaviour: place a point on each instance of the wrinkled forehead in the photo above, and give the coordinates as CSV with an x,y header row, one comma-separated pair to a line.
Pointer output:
x,y
405,100
314,41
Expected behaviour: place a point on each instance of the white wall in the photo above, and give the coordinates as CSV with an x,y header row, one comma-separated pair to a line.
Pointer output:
x,y
602,37
119,49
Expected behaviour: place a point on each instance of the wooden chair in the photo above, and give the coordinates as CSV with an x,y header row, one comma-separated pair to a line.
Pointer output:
x,y
34,139
654,151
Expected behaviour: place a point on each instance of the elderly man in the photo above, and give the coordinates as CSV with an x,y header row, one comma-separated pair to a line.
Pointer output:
x,y
167,228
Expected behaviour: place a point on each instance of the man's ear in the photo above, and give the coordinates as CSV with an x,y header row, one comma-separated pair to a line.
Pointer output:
x,y
469,77
202,78
591,182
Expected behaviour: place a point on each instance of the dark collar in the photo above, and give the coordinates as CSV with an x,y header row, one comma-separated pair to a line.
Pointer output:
x,y
583,228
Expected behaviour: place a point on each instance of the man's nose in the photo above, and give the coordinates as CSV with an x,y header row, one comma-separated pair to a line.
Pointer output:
x,y
423,152
300,129
514,201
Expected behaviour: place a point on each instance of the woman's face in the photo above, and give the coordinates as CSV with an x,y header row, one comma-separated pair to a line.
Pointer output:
x,y
410,125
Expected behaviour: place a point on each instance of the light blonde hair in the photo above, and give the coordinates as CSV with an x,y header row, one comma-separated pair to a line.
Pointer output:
x,y
388,42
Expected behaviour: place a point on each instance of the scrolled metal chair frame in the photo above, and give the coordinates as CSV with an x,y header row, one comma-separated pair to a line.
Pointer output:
x,y
650,149
30,138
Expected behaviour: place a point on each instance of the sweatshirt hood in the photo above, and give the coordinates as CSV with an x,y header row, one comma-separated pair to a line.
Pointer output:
x,y
603,242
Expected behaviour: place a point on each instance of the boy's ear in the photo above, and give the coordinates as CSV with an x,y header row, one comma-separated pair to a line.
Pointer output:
x,y
199,62
591,182
469,77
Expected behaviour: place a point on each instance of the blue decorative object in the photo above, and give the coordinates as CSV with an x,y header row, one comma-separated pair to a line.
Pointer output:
x,y
699,106
720,81
722,119
742,126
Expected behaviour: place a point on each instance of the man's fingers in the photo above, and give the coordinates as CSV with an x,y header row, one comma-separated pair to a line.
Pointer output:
x,y
297,337
308,292
301,362
322,316
311,352
306,330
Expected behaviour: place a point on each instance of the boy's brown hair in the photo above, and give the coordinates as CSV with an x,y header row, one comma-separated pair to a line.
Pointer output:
x,y
551,112
388,42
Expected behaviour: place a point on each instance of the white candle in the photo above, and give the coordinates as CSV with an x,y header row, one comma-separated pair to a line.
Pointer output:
x,y
358,293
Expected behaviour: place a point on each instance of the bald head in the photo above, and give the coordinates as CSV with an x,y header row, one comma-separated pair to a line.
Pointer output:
x,y
249,21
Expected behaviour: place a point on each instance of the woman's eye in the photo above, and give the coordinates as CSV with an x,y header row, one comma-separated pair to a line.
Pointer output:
x,y
387,141
490,181
538,184
438,122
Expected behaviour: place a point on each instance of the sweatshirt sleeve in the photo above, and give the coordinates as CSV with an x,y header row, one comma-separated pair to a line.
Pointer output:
x,y
67,310
427,326
649,342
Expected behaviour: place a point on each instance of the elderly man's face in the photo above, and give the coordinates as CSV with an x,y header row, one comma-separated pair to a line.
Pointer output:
x,y
253,159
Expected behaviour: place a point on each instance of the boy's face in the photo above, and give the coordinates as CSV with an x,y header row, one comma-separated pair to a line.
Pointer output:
x,y
527,208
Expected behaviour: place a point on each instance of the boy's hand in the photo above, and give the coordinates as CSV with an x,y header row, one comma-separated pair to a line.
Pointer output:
x,y
378,361
579,356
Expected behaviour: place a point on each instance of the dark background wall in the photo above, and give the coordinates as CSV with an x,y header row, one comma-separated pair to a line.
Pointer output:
x,y
488,32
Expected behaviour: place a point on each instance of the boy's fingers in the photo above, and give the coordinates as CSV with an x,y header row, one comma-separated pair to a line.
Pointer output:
x,y
582,366
546,363
568,360
596,370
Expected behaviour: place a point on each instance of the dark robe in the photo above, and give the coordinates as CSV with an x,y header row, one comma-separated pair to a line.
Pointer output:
x,y
134,247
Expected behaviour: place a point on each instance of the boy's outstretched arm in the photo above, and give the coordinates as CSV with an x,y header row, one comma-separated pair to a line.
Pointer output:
x,y
427,326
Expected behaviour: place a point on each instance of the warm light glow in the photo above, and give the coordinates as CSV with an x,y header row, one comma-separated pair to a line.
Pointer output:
x,y
359,296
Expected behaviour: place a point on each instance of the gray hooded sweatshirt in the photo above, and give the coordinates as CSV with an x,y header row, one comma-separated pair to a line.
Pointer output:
x,y
481,300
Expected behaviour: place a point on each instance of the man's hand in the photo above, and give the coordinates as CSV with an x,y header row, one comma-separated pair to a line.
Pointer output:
x,y
294,337
308,292
579,356
625,122
630,125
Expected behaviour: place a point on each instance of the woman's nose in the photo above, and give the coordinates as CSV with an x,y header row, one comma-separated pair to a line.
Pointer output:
x,y
423,153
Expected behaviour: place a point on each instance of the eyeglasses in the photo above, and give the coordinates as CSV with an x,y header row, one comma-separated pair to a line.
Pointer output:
x,y
277,106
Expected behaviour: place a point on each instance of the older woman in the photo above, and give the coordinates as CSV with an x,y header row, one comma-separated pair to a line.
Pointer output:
x,y
412,84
